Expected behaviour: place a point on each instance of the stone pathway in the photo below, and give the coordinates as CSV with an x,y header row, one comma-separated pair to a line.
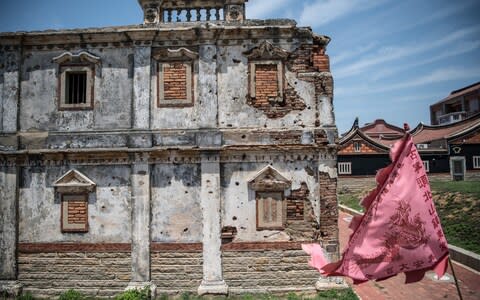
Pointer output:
x,y
428,288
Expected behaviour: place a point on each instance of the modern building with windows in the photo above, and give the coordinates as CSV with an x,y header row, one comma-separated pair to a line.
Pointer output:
x,y
459,105
193,152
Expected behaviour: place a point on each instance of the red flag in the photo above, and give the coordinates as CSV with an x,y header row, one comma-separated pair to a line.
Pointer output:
x,y
400,230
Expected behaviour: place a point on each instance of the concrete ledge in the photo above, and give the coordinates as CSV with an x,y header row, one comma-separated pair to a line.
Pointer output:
x,y
465,257
349,210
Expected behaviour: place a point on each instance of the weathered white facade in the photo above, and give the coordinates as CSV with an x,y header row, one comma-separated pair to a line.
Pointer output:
x,y
200,155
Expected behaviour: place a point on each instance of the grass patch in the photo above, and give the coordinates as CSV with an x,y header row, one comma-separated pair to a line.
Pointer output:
x,y
349,200
458,206
471,188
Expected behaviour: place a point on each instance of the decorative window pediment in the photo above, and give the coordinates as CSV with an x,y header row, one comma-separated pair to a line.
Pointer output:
x,y
271,209
267,51
80,57
74,182
182,54
269,179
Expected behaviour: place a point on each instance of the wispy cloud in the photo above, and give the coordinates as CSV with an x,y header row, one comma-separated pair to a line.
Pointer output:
x,y
458,49
436,76
262,9
349,54
320,12
439,14
390,53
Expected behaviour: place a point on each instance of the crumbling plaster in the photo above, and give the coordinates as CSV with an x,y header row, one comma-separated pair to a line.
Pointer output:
x,y
233,90
239,206
112,93
176,212
109,205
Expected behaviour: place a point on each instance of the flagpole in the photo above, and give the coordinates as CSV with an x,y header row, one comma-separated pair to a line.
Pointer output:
x,y
456,281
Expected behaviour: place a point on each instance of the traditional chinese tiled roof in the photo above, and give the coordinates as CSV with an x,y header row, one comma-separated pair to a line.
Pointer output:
x,y
437,137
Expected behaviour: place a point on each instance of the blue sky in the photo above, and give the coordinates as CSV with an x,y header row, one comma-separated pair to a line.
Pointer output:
x,y
390,59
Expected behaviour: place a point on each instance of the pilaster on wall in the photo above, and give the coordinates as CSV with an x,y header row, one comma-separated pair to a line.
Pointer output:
x,y
140,181
9,96
212,282
207,87
8,229
141,87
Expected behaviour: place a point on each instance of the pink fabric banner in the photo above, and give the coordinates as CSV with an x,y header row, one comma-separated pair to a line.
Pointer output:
x,y
400,230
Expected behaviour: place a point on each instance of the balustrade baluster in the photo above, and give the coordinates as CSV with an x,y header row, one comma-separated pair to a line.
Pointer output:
x,y
179,12
208,14
169,14
199,15
217,13
189,14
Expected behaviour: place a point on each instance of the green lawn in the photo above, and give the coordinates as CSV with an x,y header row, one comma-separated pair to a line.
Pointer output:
x,y
458,206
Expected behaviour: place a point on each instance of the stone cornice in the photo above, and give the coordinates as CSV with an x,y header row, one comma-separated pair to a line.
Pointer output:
x,y
118,157
160,35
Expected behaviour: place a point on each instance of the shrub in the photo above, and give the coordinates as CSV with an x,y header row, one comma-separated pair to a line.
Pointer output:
x,y
135,294
71,295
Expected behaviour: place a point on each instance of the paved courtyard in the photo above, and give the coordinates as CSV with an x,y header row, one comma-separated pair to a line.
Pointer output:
x,y
428,288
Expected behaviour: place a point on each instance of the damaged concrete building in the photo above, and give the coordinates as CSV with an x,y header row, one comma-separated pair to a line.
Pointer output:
x,y
193,152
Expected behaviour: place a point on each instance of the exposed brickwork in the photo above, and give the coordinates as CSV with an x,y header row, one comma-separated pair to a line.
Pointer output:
x,y
301,222
176,270
320,60
77,212
329,212
93,273
261,246
183,247
175,81
72,247
271,270
266,84
267,93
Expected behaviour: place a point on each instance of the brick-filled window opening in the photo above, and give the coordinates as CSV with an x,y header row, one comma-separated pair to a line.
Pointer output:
x,y
74,217
344,168
76,83
476,162
76,88
271,211
266,83
175,84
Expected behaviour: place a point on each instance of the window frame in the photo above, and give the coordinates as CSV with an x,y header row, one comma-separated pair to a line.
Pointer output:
x,y
341,165
259,201
190,84
252,82
357,147
89,87
476,162
76,227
